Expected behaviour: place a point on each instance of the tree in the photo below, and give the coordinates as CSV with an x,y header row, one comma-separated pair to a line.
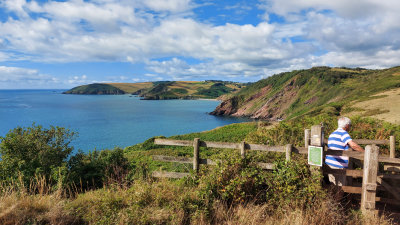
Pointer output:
x,y
34,151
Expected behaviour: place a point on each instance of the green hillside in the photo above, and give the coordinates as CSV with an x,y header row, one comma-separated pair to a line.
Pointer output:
x,y
95,89
163,89
310,91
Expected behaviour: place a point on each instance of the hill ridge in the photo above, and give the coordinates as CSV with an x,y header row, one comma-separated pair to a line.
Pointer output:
x,y
162,90
299,92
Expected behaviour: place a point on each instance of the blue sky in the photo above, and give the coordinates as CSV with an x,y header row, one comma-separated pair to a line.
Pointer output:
x,y
62,44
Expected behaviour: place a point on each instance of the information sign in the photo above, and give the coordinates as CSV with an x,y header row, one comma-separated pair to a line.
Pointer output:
x,y
315,155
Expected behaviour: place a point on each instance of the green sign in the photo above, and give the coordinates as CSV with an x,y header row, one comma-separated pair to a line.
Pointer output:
x,y
315,155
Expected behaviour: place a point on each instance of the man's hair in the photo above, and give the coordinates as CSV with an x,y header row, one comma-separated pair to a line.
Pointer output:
x,y
343,121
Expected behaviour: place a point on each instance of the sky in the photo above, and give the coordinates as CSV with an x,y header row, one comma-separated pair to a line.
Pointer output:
x,y
48,44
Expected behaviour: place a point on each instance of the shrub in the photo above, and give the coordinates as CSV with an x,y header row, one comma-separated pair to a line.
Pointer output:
x,y
34,151
292,184
233,180
237,180
95,169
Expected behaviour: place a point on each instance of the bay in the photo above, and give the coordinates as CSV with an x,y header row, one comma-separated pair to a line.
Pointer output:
x,y
107,121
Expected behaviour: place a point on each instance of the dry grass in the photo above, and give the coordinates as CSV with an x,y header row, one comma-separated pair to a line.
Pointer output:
x,y
157,202
20,208
326,212
132,87
386,108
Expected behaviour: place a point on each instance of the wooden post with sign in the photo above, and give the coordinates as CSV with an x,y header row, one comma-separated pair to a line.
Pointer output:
x,y
369,185
316,140
316,136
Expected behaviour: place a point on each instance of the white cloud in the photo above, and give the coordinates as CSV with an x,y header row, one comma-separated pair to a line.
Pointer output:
x,y
169,5
24,78
79,80
327,33
178,69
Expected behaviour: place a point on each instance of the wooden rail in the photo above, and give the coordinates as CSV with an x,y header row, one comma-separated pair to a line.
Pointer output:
x,y
373,180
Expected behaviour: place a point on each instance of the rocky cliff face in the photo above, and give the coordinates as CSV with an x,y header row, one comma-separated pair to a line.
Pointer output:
x,y
259,105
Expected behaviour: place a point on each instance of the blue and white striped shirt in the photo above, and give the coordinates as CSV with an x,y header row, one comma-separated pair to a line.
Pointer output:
x,y
338,140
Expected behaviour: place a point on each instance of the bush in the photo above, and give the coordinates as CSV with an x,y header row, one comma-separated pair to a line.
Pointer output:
x,y
95,169
34,152
237,180
234,180
292,184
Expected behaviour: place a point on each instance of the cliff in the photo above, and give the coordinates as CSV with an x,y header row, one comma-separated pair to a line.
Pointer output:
x,y
310,91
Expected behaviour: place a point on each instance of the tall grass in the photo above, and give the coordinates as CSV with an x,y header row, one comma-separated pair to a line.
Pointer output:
x,y
160,202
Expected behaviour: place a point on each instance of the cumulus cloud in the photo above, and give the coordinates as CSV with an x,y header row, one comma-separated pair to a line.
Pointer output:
x,y
169,5
355,33
79,80
314,32
24,78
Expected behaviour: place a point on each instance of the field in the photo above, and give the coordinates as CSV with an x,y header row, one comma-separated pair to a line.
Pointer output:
x,y
132,87
384,106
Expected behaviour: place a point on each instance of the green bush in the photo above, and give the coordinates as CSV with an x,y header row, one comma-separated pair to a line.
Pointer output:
x,y
233,180
97,168
34,151
292,184
236,180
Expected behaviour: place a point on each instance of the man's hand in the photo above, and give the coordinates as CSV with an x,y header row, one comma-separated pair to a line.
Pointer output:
x,y
355,146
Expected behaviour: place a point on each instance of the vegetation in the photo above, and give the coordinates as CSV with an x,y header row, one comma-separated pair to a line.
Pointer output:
x,y
300,92
96,89
114,186
31,152
41,183
162,90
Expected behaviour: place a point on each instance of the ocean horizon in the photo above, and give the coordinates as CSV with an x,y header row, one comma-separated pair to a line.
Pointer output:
x,y
107,121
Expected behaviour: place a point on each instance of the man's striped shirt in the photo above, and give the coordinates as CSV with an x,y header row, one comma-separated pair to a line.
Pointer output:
x,y
338,140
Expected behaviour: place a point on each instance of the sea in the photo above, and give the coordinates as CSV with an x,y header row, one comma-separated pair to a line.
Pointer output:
x,y
107,121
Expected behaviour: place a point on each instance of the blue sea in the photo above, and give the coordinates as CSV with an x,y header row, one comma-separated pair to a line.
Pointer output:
x,y
107,121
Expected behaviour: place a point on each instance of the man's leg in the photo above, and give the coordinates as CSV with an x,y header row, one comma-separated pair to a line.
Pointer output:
x,y
337,179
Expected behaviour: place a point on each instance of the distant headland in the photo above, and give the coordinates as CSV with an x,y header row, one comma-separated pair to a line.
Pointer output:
x,y
162,90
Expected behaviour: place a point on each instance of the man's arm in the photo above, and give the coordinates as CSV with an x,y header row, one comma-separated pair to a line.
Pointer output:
x,y
355,146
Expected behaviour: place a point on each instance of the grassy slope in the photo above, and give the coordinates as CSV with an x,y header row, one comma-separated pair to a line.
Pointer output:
x,y
162,89
95,89
132,87
386,107
190,89
312,90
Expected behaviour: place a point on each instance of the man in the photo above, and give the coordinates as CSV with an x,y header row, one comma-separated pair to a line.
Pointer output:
x,y
340,140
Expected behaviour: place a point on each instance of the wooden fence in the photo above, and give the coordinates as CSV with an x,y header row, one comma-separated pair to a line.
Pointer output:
x,y
373,179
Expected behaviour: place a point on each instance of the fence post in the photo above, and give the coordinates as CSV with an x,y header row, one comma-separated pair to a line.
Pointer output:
x,y
370,171
316,135
306,138
288,152
196,146
243,149
392,147
316,139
